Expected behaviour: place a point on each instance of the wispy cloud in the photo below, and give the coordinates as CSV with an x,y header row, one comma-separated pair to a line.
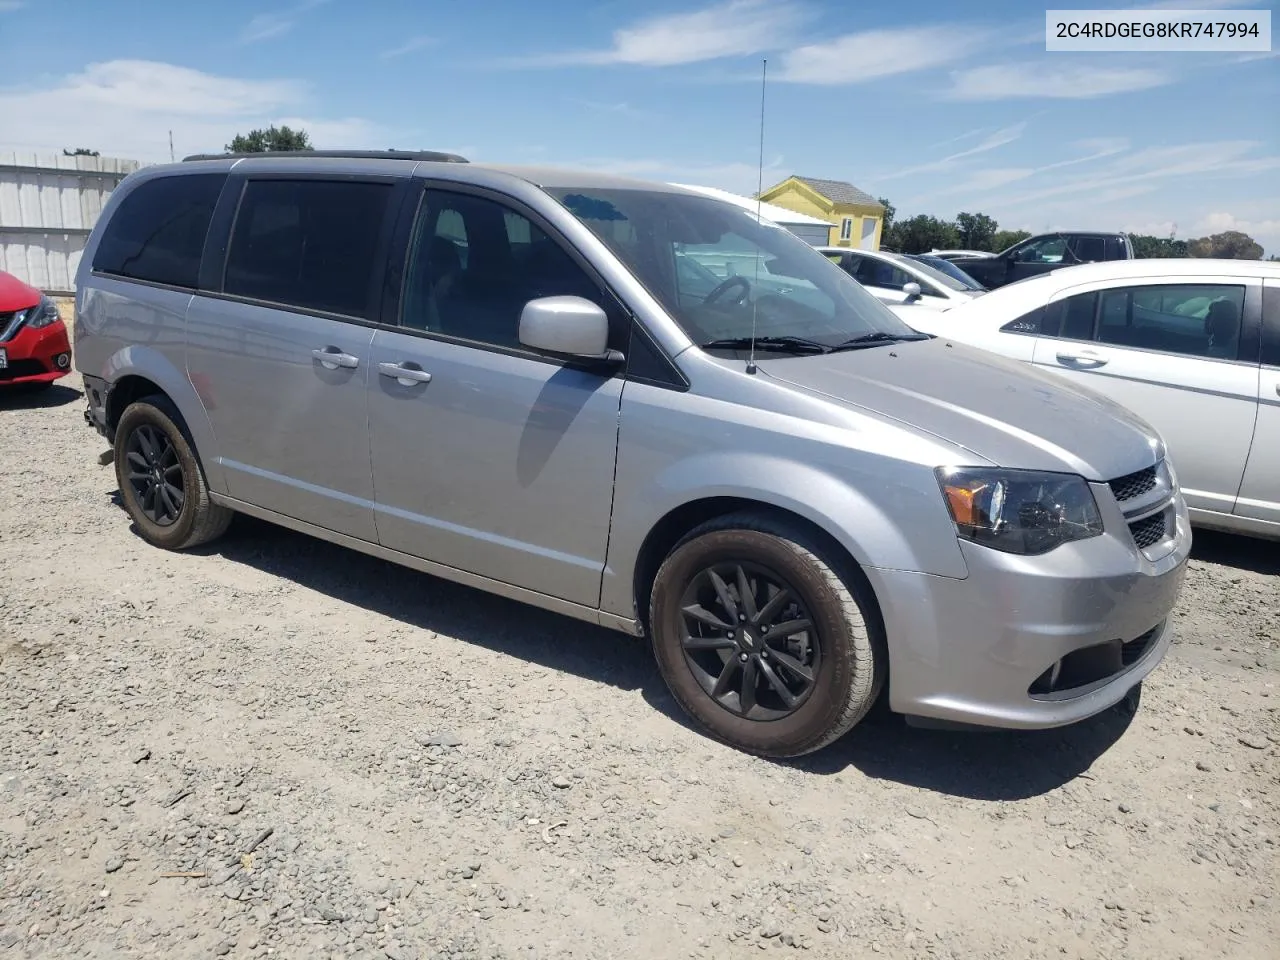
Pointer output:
x,y
857,57
618,108
990,179
8,6
967,135
1037,79
1154,166
265,26
409,46
730,29
993,141
125,108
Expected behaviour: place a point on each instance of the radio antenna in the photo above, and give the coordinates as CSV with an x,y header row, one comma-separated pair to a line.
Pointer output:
x,y
764,77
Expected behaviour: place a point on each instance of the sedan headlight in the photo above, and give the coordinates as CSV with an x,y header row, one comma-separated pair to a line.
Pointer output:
x,y
1019,511
42,314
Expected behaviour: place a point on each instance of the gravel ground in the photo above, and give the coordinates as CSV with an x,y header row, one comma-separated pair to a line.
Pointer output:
x,y
278,747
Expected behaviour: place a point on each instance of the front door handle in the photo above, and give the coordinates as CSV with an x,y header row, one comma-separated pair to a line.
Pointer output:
x,y
1083,357
404,375
331,358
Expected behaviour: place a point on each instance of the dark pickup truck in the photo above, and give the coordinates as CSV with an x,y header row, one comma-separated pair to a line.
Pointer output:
x,y
1040,254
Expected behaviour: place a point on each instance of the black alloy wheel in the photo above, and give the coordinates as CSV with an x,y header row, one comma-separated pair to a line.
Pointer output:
x,y
155,473
750,641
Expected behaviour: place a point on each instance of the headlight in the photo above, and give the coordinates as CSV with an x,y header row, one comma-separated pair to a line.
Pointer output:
x,y
42,314
1019,511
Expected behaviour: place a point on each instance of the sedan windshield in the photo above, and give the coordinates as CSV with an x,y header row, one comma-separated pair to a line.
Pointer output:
x,y
727,277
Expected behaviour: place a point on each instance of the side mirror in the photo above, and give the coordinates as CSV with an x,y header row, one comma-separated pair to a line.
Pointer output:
x,y
568,327
912,290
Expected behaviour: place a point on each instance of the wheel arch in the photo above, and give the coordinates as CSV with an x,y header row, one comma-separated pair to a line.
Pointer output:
x,y
678,522
137,372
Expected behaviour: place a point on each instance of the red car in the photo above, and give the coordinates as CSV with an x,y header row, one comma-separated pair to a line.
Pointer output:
x,y
34,349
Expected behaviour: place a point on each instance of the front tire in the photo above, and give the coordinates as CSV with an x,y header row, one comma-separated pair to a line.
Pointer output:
x,y
160,479
761,640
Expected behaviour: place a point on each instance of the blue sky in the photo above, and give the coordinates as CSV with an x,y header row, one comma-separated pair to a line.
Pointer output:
x,y
939,106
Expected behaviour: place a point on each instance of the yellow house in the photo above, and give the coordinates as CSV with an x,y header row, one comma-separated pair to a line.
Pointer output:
x,y
856,217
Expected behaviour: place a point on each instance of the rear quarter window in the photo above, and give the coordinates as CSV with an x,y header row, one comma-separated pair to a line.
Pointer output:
x,y
157,233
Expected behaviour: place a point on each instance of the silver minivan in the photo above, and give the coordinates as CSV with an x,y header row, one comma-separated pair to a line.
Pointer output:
x,y
634,405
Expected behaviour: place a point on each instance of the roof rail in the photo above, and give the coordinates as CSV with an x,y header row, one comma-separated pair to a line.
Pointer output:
x,y
429,155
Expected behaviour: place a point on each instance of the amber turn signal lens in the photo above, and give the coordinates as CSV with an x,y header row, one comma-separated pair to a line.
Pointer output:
x,y
960,499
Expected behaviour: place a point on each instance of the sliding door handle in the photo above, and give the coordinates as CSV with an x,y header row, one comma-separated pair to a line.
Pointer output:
x,y
404,375
331,358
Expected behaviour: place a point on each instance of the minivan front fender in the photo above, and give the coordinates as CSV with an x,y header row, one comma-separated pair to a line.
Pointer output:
x,y
904,526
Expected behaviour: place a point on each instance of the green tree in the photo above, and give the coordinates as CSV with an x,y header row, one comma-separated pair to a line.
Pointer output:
x,y
270,140
922,233
887,239
80,152
1145,247
976,231
1228,245
1004,239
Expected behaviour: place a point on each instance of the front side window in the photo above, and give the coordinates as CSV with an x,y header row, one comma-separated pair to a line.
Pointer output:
x,y
311,244
158,233
767,280
474,264
1197,320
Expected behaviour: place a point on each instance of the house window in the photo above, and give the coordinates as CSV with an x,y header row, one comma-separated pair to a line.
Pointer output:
x,y
846,228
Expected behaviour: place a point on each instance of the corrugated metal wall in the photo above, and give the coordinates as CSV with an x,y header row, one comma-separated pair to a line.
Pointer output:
x,y
48,205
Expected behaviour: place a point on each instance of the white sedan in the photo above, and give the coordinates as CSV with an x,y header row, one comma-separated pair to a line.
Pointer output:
x,y
1192,346
906,286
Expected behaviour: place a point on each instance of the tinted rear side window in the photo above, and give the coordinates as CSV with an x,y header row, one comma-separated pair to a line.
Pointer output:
x,y
158,232
308,243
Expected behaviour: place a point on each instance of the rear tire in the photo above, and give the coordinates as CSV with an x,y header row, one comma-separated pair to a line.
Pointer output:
x,y
780,656
161,482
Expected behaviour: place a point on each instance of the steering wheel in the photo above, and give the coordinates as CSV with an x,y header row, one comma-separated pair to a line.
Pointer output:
x,y
721,288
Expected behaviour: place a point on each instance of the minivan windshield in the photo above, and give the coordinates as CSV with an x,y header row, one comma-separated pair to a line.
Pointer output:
x,y
725,276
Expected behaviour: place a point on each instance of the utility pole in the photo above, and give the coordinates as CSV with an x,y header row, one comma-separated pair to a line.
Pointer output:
x,y
171,146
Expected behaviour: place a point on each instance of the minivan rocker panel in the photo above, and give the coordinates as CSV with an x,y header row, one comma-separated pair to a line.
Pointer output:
x,y
798,499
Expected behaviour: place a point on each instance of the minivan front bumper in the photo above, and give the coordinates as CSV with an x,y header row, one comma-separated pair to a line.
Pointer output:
x,y
1032,642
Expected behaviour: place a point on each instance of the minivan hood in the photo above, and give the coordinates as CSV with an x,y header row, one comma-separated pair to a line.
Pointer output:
x,y
1002,410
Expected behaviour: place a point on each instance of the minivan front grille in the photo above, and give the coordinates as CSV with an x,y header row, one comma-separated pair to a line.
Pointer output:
x,y
1149,530
1134,484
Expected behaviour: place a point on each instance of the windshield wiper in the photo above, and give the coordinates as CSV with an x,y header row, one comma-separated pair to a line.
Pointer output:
x,y
876,339
786,344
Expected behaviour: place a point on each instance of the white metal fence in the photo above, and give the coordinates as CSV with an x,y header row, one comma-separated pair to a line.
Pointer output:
x,y
48,205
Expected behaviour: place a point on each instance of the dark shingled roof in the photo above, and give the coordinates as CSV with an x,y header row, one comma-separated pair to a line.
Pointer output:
x,y
839,191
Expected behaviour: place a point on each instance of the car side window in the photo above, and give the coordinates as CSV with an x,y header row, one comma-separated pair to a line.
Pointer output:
x,y
1196,320
311,244
478,293
1045,250
1071,318
1089,249
871,272
158,233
